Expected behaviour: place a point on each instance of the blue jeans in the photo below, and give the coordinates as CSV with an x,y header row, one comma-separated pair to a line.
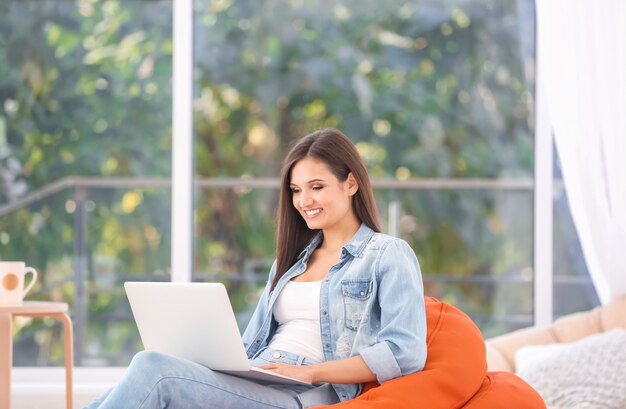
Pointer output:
x,y
158,381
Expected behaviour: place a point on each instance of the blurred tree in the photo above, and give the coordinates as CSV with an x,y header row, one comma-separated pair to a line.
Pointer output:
x,y
425,88
85,90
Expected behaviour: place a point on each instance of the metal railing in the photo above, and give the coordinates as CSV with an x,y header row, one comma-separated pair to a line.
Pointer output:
x,y
75,182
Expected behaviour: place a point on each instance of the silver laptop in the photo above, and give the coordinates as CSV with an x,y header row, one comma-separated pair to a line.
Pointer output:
x,y
194,321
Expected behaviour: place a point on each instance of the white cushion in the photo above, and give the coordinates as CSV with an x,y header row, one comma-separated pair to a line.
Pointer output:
x,y
531,355
586,374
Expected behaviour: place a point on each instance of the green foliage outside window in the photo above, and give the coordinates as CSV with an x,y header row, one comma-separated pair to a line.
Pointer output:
x,y
426,89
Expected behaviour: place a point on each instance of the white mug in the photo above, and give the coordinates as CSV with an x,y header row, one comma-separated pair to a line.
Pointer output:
x,y
12,280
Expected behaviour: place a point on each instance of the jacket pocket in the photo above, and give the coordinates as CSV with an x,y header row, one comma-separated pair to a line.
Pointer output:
x,y
356,295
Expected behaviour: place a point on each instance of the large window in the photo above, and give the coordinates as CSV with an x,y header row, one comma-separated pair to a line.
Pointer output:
x,y
437,95
85,118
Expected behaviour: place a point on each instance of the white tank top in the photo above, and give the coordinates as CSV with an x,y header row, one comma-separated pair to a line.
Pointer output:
x,y
297,311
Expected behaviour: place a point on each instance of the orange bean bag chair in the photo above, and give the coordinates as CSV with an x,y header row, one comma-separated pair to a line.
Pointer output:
x,y
455,374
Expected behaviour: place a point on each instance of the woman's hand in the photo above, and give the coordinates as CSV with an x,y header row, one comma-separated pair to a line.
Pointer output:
x,y
300,372
347,370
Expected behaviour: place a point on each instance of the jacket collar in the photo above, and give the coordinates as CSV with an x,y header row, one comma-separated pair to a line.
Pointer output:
x,y
355,246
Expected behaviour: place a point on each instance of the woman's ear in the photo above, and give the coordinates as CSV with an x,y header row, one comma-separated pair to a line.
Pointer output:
x,y
352,184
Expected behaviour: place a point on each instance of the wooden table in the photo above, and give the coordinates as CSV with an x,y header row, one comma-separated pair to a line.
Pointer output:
x,y
32,309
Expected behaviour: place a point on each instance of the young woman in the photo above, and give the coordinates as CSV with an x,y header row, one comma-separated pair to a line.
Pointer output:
x,y
343,304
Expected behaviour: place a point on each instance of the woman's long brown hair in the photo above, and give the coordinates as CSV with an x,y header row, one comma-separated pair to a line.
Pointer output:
x,y
339,153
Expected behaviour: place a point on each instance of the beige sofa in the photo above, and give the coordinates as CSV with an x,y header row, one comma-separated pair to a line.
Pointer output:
x,y
501,349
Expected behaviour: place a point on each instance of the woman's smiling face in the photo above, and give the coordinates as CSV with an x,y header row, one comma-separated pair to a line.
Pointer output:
x,y
322,200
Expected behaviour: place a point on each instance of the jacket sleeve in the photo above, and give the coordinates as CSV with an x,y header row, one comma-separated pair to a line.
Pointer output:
x,y
260,312
401,349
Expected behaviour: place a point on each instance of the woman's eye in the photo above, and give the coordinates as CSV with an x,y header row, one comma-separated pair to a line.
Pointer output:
x,y
294,190
317,187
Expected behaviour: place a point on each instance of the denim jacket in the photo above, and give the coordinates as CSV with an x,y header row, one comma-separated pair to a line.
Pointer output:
x,y
371,304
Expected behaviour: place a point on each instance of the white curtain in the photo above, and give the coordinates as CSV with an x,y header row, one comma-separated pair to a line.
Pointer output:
x,y
581,67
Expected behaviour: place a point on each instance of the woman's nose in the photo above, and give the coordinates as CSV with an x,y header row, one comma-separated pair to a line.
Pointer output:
x,y
305,199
